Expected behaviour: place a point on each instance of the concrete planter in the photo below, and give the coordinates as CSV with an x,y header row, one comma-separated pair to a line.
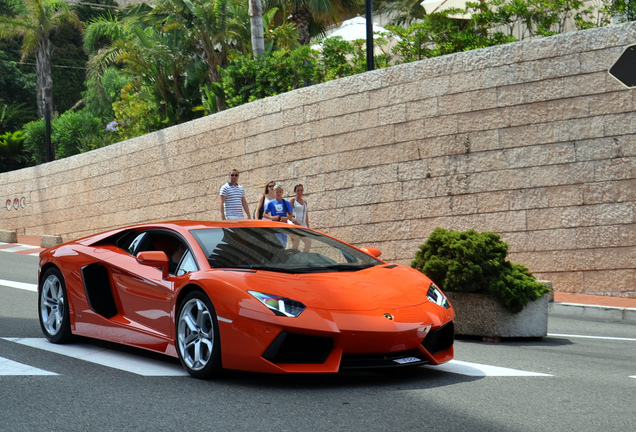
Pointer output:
x,y
480,315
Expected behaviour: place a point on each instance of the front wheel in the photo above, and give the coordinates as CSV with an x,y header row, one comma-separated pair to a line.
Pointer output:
x,y
198,341
53,307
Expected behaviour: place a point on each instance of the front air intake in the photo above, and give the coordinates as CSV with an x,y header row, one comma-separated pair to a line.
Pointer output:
x,y
298,348
440,339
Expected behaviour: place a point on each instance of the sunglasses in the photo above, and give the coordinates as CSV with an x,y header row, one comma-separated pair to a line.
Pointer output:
x,y
233,175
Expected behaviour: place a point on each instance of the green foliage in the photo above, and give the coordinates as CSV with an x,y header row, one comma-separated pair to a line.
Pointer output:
x,y
137,112
12,117
245,79
624,10
34,142
475,262
17,83
340,59
68,67
439,34
70,129
100,96
69,134
12,154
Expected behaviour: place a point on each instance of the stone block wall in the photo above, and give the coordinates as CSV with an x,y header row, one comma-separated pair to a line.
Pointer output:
x,y
533,140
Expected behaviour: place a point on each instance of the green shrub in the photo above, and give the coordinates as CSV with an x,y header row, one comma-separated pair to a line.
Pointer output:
x,y
70,129
34,143
473,262
69,133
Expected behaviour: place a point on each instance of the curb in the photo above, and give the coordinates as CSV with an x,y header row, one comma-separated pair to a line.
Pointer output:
x,y
593,311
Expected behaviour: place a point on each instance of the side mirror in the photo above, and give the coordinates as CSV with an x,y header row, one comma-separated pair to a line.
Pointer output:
x,y
157,259
371,251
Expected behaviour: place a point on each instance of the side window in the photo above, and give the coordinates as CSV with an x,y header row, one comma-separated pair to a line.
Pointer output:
x,y
134,244
187,264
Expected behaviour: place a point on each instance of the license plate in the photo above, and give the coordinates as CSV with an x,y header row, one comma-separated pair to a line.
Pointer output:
x,y
407,360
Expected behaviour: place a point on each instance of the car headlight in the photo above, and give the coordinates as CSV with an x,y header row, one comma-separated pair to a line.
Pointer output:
x,y
436,295
281,306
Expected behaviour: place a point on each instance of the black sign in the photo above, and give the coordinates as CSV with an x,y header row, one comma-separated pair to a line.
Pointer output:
x,y
624,69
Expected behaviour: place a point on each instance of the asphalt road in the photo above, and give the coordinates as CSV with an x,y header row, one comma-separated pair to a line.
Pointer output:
x,y
582,377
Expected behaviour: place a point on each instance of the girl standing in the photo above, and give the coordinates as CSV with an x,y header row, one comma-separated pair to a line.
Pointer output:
x,y
299,206
268,195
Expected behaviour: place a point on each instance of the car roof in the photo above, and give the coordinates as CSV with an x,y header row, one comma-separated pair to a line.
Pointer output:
x,y
180,226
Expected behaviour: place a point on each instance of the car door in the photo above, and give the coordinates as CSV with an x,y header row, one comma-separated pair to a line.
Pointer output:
x,y
146,299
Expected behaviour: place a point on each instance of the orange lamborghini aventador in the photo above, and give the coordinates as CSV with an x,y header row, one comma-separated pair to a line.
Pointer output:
x,y
250,295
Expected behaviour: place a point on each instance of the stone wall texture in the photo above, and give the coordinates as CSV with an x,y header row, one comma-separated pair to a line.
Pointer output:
x,y
532,140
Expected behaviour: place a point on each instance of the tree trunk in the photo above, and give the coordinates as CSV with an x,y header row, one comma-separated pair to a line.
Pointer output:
x,y
44,78
256,21
215,77
301,18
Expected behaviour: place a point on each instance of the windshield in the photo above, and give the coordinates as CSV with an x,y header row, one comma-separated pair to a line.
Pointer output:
x,y
292,250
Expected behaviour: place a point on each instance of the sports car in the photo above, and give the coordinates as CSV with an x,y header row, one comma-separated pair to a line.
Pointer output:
x,y
249,295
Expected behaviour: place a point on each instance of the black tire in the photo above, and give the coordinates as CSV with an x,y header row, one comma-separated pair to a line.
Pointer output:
x,y
197,336
53,307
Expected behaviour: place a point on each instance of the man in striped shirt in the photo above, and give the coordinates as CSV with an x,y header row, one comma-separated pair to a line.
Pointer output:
x,y
233,200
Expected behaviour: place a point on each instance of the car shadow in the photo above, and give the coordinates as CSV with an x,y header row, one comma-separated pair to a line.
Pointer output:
x,y
413,377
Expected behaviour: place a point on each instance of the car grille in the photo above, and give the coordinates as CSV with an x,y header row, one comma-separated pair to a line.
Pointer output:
x,y
440,339
298,348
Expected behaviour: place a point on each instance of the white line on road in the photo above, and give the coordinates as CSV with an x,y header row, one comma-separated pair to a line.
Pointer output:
x,y
105,357
151,367
19,285
9,367
482,370
593,337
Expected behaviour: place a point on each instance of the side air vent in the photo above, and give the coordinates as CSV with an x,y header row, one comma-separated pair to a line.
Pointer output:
x,y
440,339
98,292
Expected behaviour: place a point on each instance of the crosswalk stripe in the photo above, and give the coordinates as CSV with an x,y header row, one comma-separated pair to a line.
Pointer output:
x,y
10,367
105,357
482,370
19,285
151,367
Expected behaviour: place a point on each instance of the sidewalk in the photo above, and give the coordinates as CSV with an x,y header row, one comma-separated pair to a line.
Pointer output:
x,y
583,305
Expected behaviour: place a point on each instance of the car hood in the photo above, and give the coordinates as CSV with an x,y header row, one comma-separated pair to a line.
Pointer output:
x,y
385,286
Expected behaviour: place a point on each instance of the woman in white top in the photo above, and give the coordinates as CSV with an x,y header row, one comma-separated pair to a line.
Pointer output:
x,y
299,205
299,209
268,195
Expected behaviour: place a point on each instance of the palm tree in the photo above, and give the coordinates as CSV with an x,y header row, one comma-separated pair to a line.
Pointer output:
x,y
256,24
311,17
35,24
214,27
154,55
402,12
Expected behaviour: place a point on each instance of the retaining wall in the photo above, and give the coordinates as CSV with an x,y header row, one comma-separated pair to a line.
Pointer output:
x,y
532,140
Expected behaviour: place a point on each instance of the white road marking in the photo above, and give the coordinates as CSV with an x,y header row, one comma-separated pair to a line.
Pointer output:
x,y
9,367
482,370
105,357
593,337
19,285
151,367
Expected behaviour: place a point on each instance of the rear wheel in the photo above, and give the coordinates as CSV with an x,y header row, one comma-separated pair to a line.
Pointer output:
x,y
53,308
198,341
